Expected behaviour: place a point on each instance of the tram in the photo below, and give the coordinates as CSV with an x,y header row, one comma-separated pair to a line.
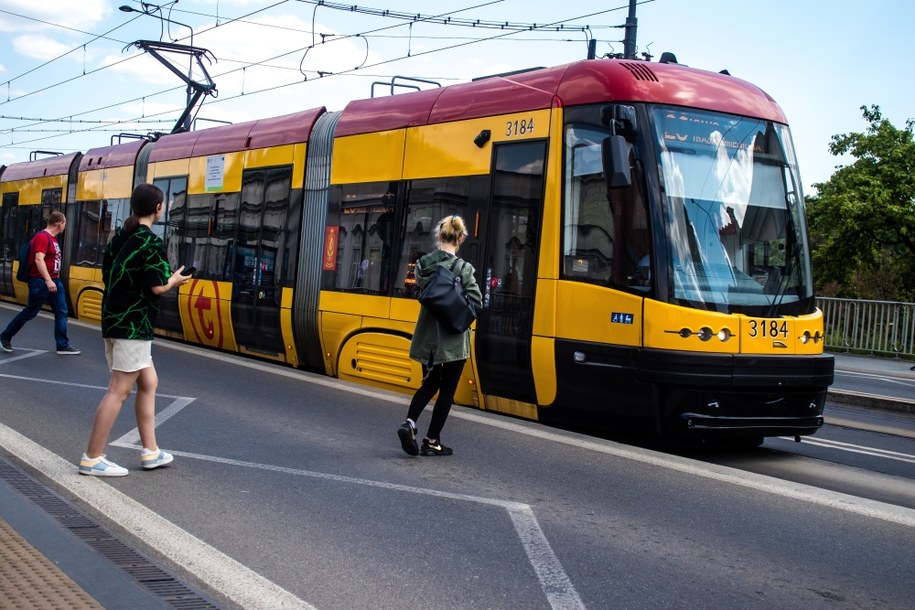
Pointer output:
x,y
638,231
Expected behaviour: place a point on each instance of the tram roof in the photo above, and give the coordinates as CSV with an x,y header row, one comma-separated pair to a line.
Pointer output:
x,y
57,165
262,133
117,155
583,82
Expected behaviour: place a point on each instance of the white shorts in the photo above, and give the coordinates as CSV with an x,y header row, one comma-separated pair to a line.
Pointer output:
x,y
128,355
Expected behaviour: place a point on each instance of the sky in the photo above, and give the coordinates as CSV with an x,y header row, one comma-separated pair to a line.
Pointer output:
x,y
71,78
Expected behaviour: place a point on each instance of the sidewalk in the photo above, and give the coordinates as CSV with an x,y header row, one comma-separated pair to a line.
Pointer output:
x,y
54,556
875,366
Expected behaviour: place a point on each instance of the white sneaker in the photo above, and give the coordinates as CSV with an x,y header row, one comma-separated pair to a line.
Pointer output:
x,y
100,467
153,459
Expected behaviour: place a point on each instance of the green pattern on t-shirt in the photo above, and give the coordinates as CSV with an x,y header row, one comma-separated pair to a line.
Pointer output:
x,y
133,265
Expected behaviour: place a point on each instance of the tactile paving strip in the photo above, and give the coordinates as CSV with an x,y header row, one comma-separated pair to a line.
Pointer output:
x,y
29,580
158,582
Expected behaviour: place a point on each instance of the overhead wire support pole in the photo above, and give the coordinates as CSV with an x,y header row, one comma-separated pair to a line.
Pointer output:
x,y
208,87
631,26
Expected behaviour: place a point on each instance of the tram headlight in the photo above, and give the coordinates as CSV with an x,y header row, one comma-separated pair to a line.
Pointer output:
x,y
724,334
705,333
806,337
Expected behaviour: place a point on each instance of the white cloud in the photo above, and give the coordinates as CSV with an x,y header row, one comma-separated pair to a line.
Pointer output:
x,y
57,12
39,47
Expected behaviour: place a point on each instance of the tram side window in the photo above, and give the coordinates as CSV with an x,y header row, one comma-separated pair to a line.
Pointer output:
x,y
51,201
262,235
9,226
89,246
277,236
196,233
218,263
363,217
428,201
171,224
604,242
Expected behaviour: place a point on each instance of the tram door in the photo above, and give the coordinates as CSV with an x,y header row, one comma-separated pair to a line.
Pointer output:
x,y
508,272
259,260
9,241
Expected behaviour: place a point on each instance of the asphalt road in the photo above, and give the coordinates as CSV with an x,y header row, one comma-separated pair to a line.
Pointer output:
x,y
291,490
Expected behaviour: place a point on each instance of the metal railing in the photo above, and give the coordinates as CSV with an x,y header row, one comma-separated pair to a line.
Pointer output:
x,y
885,328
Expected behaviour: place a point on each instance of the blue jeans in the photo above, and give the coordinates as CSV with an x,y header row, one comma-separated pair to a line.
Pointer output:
x,y
38,296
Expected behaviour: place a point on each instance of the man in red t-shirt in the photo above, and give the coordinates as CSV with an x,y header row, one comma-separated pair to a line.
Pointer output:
x,y
44,287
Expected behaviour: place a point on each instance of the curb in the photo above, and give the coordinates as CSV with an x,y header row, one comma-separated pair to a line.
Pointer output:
x,y
871,401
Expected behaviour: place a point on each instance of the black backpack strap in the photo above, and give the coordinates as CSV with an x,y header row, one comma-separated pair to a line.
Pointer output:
x,y
461,271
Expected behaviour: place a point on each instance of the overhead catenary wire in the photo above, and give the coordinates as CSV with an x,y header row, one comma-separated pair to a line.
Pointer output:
x,y
265,63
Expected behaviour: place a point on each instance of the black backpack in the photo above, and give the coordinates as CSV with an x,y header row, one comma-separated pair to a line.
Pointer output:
x,y
22,274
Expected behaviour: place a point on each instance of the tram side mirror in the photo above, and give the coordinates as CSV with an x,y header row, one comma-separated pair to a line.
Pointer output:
x,y
621,120
615,159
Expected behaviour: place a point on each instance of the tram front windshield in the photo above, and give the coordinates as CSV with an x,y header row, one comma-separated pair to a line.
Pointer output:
x,y
734,213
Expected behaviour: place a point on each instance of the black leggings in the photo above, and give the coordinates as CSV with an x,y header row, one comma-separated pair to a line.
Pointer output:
x,y
442,378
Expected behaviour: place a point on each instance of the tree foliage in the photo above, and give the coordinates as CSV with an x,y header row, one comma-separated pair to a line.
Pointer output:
x,y
862,223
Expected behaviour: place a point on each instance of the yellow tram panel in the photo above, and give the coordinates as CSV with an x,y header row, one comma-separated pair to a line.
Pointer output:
x,y
292,355
543,361
334,328
85,289
379,359
548,265
30,188
355,304
595,314
289,154
197,173
673,327
448,149
809,334
108,183
167,169
369,157
405,310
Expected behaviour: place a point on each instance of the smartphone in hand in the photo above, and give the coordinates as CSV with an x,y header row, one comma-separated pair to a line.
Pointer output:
x,y
189,271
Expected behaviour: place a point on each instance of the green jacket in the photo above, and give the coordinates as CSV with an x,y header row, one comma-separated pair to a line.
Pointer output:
x,y
431,343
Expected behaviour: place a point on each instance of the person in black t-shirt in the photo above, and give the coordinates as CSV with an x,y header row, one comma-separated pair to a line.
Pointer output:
x,y
136,272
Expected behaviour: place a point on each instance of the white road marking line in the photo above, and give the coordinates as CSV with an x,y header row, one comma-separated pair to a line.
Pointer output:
x,y
553,579
555,583
888,377
239,584
32,353
133,437
852,448
73,384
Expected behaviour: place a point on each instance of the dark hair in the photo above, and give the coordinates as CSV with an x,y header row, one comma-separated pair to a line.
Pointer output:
x,y
144,201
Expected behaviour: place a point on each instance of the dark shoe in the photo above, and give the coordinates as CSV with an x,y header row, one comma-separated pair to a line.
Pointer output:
x,y
434,448
6,344
407,434
68,351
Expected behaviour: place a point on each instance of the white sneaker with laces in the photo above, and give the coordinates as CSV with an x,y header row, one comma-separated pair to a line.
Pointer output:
x,y
100,467
154,459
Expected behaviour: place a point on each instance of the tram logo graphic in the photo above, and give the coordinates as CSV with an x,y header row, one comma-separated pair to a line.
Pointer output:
x,y
204,313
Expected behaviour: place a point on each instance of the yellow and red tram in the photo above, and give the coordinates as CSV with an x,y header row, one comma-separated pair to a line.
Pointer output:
x,y
638,231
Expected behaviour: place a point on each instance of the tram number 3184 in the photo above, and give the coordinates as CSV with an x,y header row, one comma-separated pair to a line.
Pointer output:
x,y
771,329
519,128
